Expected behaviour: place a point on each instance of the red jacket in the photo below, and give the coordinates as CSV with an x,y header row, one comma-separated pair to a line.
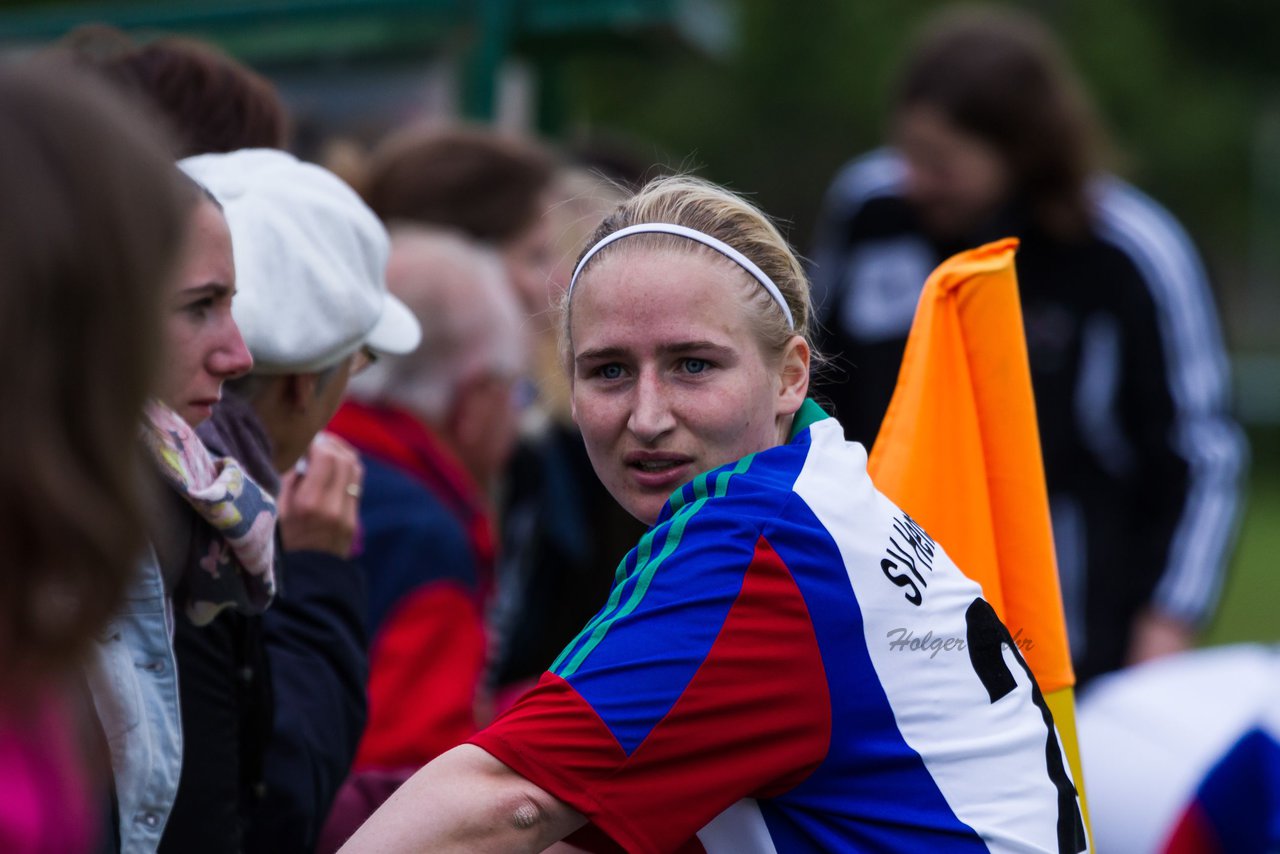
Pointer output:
x,y
429,555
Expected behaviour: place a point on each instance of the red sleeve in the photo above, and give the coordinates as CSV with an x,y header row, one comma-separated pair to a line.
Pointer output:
x,y
753,721
424,669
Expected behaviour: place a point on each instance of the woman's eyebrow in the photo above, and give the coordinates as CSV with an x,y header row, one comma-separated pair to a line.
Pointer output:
x,y
600,353
673,349
695,346
212,289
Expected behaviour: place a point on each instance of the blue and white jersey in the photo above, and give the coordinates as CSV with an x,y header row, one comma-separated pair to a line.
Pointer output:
x,y
788,663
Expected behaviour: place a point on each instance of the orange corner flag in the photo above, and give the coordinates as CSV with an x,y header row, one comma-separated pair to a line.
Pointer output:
x,y
960,451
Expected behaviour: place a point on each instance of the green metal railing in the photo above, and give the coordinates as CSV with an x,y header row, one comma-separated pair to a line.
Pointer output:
x,y
484,32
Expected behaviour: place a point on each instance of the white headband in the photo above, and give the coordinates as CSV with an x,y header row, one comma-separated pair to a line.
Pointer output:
x,y
693,234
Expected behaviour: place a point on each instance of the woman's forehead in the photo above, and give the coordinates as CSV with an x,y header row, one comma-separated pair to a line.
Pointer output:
x,y
649,295
634,268
208,254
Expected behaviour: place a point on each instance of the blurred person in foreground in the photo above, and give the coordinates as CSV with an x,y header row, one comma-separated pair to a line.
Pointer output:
x,y
736,692
991,137
94,219
260,769
434,429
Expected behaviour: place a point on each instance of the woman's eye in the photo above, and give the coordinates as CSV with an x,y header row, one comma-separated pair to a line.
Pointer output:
x,y
695,366
199,308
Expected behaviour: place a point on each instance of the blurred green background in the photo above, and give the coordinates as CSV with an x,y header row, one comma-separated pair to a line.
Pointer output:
x,y
1252,594
771,96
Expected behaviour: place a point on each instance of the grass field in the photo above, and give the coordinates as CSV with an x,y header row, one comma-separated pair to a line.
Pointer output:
x,y
1250,609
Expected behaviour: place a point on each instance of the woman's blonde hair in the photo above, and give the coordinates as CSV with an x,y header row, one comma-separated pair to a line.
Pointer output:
x,y
698,204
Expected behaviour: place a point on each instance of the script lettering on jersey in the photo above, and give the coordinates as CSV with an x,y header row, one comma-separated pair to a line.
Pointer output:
x,y
910,549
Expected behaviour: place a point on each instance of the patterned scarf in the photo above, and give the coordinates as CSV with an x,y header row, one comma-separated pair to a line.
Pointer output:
x,y
238,571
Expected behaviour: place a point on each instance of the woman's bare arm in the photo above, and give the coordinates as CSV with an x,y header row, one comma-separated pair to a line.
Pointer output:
x,y
465,801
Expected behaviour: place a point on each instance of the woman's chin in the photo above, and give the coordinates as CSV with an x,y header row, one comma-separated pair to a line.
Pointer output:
x,y
196,414
648,507
645,508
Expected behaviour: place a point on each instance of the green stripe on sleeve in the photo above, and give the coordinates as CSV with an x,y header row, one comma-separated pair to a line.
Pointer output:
x,y
643,580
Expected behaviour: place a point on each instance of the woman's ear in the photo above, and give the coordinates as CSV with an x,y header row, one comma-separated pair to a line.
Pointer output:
x,y
793,371
567,360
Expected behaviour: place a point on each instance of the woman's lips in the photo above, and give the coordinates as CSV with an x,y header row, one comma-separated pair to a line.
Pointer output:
x,y
658,471
204,406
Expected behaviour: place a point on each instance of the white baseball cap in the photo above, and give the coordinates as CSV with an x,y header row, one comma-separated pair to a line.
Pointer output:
x,y
311,262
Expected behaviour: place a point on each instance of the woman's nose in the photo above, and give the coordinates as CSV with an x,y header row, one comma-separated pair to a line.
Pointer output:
x,y
651,414
232,359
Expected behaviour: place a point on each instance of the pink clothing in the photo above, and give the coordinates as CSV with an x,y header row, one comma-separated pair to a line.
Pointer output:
x,y
46,806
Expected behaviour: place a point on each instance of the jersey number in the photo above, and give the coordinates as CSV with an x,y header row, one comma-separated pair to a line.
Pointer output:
x,y
986,637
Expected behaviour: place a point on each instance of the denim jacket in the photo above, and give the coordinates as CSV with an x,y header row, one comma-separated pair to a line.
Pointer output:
x,y
134,681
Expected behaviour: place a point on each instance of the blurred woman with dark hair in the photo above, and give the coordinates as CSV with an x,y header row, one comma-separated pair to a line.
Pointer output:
x,y
242,686
211,530
992,137
93,218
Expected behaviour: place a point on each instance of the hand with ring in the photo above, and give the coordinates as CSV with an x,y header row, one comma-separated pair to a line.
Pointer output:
x,y
319,500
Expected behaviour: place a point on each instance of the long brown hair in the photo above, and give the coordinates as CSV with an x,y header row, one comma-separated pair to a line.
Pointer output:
x,y
93,215
998,75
